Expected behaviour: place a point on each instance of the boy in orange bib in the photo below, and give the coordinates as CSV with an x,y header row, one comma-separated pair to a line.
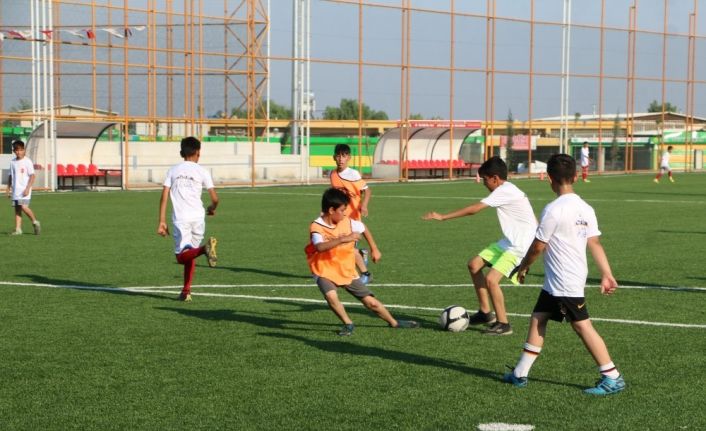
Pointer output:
x,y
331,257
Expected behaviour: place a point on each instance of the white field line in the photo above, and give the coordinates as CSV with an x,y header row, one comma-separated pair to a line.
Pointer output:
x,y
174,289
499,426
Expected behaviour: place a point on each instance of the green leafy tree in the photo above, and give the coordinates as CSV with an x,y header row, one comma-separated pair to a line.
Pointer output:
x,y
277,111
348,110
655,106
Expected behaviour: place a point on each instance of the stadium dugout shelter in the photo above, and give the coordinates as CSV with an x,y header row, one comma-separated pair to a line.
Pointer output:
x,y
85,153
428,147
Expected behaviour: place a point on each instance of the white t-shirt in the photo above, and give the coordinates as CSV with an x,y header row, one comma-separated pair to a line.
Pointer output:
x,y
21,170
186,182
517,220
350,174
664,163
585,158
566,224
316,238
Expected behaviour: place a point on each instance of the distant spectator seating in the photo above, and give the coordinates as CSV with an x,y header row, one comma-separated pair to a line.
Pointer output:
x,y
436,168
80,171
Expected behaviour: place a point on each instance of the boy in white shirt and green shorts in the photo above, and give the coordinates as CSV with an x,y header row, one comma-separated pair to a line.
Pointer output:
x,y
518,224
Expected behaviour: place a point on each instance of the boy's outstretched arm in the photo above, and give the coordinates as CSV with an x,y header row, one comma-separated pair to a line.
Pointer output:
x,y
335,242
375,254
162,228
536,249
467,211
364,203
211,210
608,282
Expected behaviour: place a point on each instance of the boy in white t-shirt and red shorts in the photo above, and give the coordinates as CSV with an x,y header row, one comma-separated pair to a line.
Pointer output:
x,y
183,186
568,225
518,224
19,187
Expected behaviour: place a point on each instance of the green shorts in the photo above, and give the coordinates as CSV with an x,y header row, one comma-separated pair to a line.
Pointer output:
x,y
500,260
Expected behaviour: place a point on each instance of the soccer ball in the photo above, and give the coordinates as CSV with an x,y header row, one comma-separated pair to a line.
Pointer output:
x,y
454,318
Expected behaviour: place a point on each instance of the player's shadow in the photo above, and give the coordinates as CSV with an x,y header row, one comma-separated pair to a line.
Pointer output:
x,y
298,307
81,285
249,318
260,271
393,355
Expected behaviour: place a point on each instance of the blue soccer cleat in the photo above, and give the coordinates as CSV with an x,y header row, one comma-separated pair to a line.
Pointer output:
x,y
607,386
518,382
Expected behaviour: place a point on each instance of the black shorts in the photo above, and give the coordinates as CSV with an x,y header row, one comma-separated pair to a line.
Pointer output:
x,y
561,308
356,288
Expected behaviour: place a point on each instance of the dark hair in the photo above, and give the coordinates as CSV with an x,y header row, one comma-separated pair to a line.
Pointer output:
x,y
341,149
493,166
334,198
189,146
561,168
17,144
669,147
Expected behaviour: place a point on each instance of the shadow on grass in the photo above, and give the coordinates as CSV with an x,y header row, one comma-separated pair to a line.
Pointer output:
x,y
233,316
264,272
357,310
80,285
341,347
393,355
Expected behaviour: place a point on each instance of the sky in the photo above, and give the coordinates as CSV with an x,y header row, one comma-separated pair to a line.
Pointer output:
x,y
335,54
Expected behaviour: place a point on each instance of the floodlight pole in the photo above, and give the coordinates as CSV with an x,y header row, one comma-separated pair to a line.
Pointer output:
x,y
565,62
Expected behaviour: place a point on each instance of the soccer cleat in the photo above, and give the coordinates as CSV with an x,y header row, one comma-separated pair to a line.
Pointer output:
x,y
211,252
16,232
482,318
37,227
607,386
185,297
498,328
407,324
366,277
346,330
586,181
671,179
656,180
518,382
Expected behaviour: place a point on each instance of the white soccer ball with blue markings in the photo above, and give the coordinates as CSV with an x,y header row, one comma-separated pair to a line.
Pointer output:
x,y
454,318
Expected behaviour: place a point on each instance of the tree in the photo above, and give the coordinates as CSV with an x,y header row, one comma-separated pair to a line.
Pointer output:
x,y
348,110
277,111
655,106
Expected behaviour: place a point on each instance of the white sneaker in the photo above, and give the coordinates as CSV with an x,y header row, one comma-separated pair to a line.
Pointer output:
x,y
37,227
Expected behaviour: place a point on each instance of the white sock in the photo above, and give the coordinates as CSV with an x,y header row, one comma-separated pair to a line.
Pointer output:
x,y
527,358
609,370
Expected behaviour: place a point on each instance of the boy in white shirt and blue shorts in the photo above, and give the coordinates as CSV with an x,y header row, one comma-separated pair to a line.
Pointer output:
x,y
19,187
183,186
568,225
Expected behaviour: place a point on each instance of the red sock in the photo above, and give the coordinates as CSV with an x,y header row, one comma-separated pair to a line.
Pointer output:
x,y
189,268
189,254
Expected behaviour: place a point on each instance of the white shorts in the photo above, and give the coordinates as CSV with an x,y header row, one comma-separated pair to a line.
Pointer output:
x,y
188,235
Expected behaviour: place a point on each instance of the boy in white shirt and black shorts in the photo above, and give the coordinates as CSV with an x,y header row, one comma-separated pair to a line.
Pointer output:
x,y
183,186
19,187
568,225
